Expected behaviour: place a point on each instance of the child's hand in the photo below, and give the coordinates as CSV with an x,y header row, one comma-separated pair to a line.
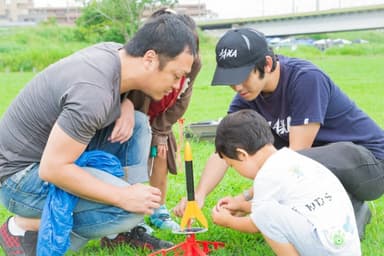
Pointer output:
x,y
229,203
220,215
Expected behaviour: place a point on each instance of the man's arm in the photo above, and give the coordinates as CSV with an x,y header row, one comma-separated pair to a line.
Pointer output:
x,y
57,167
303,136
213,173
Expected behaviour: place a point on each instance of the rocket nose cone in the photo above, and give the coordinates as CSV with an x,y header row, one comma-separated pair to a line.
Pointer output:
x,y
187,152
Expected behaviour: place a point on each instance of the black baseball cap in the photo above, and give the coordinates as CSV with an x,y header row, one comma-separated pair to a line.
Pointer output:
x,y
237,53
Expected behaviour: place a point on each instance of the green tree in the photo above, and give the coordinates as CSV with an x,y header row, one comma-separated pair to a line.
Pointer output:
x,y
116,20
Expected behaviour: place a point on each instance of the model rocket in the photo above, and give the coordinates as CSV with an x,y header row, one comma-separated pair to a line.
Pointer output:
x,y
191,246
192,210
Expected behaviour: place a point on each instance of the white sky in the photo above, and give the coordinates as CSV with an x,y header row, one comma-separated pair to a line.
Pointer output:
x,y
253,8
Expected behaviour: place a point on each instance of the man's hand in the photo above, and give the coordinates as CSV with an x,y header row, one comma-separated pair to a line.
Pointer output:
x,y
213,172
180,207
140,198
124,125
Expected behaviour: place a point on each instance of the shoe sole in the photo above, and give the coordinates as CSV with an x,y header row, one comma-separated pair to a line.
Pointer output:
x,y
363,219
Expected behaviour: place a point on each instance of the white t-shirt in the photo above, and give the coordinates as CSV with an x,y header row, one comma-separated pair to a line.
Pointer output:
x,y
310,189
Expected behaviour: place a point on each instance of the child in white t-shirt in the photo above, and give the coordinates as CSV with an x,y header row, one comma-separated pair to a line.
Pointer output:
x,y
298,205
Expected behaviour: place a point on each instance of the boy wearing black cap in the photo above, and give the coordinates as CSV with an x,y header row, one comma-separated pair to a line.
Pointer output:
x,y
296,214
306,112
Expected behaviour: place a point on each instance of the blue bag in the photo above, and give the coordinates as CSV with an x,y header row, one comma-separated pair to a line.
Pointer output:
x,y
57,217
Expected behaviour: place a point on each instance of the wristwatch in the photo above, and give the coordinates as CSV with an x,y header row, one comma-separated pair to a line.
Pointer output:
x,y
247,195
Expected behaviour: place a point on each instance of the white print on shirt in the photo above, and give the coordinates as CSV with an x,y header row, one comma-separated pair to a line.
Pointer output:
x,y
318,202
281,127
227,53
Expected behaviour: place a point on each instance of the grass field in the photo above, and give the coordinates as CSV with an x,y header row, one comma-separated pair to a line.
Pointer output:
x,y
360,76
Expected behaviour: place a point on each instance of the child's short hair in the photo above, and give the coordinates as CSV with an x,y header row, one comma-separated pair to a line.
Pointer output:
x,y
244,129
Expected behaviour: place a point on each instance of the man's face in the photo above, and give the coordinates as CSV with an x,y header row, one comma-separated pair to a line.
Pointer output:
x,y
251,87
164,80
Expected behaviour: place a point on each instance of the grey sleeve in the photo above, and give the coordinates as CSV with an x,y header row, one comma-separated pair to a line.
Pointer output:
x,y
85,109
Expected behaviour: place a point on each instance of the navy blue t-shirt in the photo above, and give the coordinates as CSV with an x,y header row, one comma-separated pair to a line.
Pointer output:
x,y
304,95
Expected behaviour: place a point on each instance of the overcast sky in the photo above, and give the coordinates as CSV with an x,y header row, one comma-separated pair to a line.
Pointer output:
x,y
252,8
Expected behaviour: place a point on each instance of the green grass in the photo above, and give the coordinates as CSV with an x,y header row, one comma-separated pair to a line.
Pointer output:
x,y
33,48
360,76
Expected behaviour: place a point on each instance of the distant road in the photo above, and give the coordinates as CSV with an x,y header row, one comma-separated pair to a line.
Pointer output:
x,y
360,18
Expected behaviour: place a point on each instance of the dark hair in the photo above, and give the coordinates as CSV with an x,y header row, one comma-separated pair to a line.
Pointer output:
x,y
162,11
261,64
183,17
192,25
167,35
245,129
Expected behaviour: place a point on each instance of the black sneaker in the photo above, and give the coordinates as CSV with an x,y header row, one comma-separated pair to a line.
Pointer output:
x,y
137,238
17,245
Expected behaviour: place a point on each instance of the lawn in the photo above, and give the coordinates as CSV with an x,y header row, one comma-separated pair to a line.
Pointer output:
x,y
360,76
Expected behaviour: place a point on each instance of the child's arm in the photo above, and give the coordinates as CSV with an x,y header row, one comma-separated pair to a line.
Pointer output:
x,y
243,224
223,217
